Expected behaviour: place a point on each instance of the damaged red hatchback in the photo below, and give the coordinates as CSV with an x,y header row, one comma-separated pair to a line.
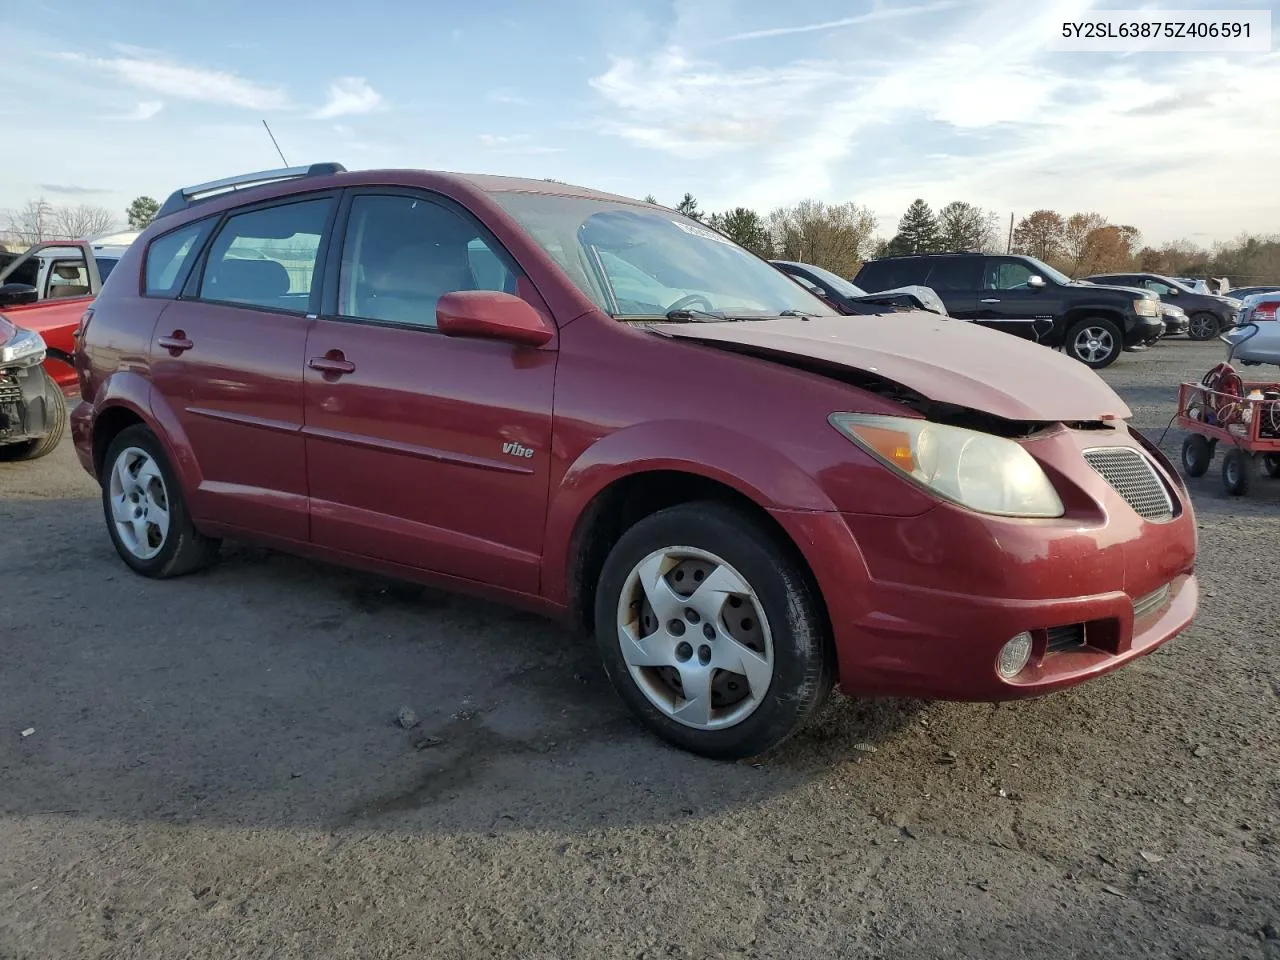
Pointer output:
x,y
602,410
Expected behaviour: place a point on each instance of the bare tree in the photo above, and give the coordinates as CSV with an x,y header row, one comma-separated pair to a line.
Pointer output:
x,y
834,236
32,223
1081,230
82,221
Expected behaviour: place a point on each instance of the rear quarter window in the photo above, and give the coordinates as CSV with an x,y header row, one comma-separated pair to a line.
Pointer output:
x,y
886,274
170,256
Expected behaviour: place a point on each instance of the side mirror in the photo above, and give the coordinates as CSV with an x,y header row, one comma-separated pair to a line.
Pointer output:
x,y
1035,281
490,315
1173,292
17,294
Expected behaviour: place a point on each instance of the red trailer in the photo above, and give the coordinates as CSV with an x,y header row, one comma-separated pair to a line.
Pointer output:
x,y
1245,415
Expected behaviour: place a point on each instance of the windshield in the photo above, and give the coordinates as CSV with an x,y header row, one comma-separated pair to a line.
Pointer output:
x,y
1049,272
634,261
836,282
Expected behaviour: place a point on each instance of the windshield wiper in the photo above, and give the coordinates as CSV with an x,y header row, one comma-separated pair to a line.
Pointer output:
x,y
693,315
789,312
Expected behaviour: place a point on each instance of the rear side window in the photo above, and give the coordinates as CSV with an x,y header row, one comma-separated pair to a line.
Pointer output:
x,y
169,257
266,258
885,274
958,273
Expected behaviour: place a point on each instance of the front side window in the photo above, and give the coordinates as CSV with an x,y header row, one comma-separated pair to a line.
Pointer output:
x,y
267,258
67,278
169,256
1163,289
1007,275
639,262
402,253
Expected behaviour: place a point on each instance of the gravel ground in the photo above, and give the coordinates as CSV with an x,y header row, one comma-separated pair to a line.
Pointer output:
x,y
216,770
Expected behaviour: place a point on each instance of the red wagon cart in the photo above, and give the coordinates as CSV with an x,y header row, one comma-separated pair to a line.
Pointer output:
x,y
1242,414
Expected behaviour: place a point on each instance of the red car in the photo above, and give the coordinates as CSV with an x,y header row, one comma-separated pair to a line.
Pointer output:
x,y
599,409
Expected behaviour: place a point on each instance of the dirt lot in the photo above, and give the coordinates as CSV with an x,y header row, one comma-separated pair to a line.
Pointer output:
x,y
216,771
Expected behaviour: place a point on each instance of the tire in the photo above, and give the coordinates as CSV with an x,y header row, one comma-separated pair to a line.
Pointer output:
x,y
776,615
1203,326
1096,342
138,481
1238,471
56,405
1196,455
1271,465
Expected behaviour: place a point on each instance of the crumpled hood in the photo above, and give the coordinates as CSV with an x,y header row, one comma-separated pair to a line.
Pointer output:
x,y
949,361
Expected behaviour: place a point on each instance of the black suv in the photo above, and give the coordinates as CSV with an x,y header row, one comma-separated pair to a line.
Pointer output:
x,y
1210,315
1030,299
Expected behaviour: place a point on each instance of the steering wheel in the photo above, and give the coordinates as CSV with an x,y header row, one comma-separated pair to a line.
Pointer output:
x,y
692,300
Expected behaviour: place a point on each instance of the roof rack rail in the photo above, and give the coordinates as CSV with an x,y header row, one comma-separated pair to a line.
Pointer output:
x,y
181,199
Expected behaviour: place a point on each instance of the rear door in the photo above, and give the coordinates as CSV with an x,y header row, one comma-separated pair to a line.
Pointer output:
x,y
228,359
1009,303
428,451
957,281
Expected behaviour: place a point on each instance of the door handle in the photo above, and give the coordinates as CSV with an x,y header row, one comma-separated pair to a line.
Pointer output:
x,y
176,342
332,363
992,300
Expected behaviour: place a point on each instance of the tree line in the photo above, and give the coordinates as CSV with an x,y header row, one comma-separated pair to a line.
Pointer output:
x,y
40,220
840,236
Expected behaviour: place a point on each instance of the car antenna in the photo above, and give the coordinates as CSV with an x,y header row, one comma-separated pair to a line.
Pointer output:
x,y
276,145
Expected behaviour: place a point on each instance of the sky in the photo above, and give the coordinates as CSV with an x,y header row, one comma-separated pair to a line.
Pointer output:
x,y
741,102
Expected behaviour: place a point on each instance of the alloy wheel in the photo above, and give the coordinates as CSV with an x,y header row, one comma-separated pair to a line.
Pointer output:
x,y
694,637
1093,344
139,503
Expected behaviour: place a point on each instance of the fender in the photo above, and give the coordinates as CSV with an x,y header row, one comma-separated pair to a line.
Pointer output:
x,y
133,392
737,460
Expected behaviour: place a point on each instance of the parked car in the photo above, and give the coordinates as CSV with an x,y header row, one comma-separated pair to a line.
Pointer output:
x,y
1260,308
1030,299
59,269
1210,314
33,413
1243,293
1255,343
55,318
847,298
1176,321
605,411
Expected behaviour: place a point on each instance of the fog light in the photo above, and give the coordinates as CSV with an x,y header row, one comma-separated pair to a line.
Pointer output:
x,y
1014,656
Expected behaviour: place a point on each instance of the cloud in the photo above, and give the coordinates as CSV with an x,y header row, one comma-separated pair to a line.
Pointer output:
x,y
883,13
350,96
517,143
505,96
143,111
183,82
71,190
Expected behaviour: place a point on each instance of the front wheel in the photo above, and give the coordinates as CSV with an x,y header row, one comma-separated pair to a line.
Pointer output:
x,y
1203,326
1196,455
1095,342
55,417
711,632
146,515
1237,471
1271,464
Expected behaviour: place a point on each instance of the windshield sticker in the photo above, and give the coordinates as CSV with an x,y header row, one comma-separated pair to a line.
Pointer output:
x,y
702,232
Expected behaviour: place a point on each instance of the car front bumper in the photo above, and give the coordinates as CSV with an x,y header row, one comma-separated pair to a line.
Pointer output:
x,y
921,606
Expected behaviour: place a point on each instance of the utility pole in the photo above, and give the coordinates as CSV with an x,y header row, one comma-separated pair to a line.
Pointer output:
x,y
1009,246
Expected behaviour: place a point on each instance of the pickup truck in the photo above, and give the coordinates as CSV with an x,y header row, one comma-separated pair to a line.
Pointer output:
x,y
55,317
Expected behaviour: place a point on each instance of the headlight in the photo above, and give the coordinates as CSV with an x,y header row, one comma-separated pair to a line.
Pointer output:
x,y
978,470
26,346
1146,307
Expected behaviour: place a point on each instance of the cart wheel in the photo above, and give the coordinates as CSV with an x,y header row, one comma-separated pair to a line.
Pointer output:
x,y
1196,455
1237,471
1271,464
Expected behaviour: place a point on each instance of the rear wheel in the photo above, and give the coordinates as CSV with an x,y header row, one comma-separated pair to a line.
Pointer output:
x,y
1237,472
1196,455
711,632
1203,326
1271,464
1095,342
146,515
55,415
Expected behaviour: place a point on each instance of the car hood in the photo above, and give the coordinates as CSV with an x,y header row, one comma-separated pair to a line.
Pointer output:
x,y
1120,288
948,361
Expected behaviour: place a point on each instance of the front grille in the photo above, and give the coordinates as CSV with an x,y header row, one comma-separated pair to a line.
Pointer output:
x,y
1135,479
1152,602
10,392
1070,637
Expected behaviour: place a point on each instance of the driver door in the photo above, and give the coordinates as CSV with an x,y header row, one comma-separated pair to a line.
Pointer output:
x,y
1007,302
